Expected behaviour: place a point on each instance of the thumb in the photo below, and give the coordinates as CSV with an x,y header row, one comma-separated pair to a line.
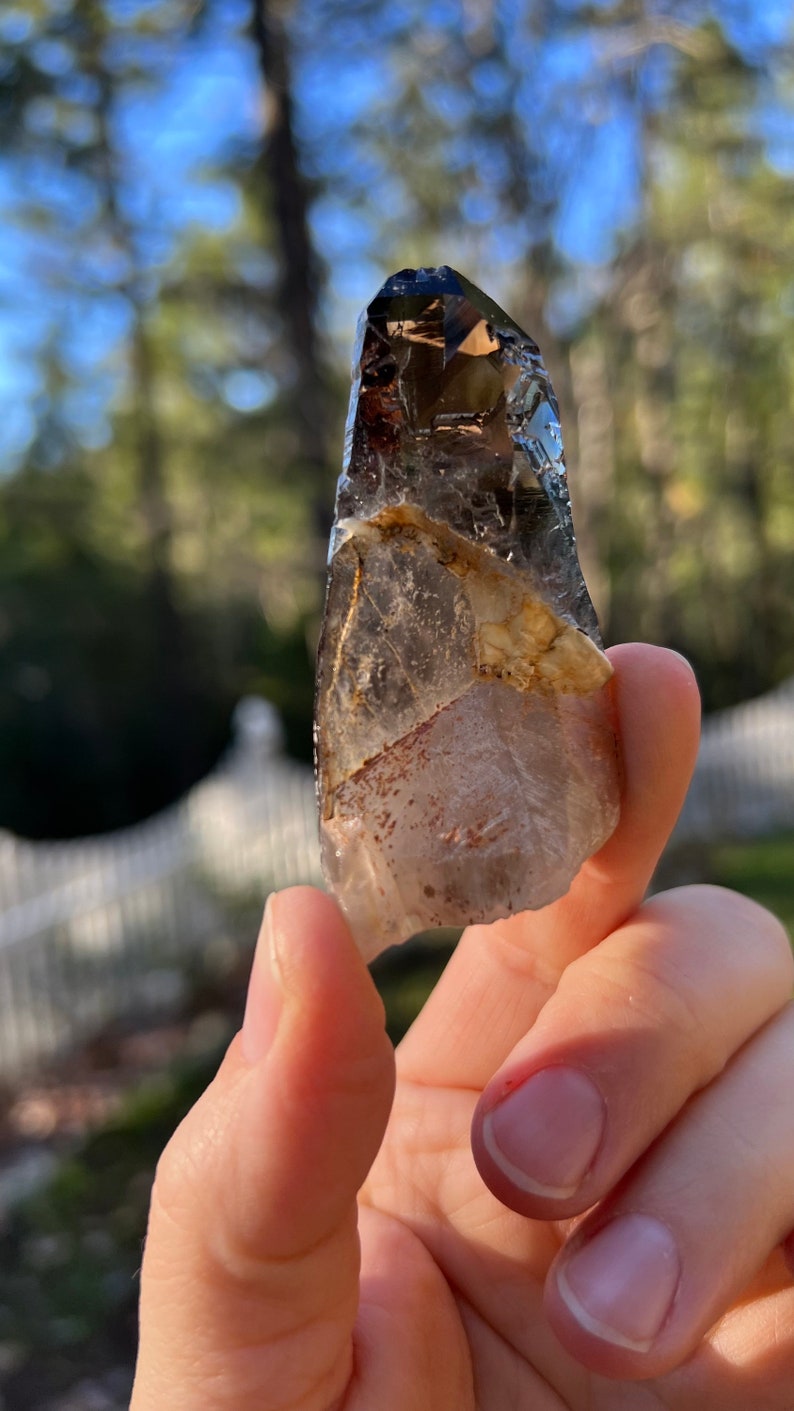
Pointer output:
x,y
249,1286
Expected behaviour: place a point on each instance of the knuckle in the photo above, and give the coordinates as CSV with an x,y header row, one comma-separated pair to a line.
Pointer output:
x,y
188,1176
718,912
179,1179
758,926
654,993
194,1219
751,911
676,1008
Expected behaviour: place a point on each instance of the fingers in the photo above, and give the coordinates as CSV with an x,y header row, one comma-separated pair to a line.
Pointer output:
x,y
654,1092
501,975
634,1029
250,1278
652,1269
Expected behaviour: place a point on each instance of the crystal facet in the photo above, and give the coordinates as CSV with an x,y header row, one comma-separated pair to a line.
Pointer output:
x,y
465,746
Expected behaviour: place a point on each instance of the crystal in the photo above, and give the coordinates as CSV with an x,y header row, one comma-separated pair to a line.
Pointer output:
x,y
465,743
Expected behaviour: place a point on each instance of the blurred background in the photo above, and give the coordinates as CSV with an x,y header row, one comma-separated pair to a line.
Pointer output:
x,y
197,197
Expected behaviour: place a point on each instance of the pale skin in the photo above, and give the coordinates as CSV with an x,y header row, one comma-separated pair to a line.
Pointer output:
x,y
321,1240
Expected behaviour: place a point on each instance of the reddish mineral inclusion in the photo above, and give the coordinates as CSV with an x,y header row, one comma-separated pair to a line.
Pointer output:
x,y
466,754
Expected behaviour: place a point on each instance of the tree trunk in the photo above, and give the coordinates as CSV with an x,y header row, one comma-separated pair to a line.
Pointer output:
x,y
300,277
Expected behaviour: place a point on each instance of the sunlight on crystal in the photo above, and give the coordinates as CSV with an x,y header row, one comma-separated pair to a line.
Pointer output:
x,y
467,762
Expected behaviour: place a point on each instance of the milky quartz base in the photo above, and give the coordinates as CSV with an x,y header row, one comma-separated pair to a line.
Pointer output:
x,y
488,809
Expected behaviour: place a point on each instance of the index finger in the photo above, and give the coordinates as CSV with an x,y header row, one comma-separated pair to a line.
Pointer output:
x,y
501,975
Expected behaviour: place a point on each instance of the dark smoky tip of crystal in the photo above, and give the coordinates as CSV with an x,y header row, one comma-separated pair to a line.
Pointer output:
x,y
425,280
379,374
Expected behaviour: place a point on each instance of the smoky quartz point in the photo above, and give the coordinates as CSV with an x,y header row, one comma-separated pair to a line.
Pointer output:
x,y
465,746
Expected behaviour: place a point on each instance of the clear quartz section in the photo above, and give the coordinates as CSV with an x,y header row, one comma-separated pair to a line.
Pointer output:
x,y
466,755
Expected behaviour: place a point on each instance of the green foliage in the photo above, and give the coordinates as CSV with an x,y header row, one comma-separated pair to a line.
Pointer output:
x,y
95,730
698,532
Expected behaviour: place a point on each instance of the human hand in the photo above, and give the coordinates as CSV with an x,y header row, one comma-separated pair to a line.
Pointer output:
x,y
664,1038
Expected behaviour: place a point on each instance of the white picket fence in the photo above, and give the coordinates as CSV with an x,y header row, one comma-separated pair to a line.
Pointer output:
x,y
94,928
744,780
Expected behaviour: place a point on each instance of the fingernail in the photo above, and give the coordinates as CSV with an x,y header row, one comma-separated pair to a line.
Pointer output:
x,y
263,1002
621,1285
545,1134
